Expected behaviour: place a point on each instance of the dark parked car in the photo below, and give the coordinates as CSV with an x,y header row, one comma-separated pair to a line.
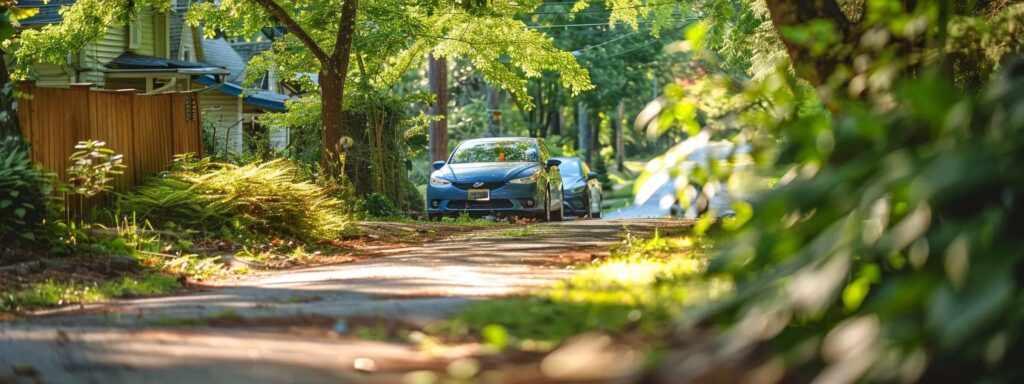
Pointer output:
x,y
582,189
497,176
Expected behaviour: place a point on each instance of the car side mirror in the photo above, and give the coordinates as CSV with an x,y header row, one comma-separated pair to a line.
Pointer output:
x,y
591,175
438,165
554,163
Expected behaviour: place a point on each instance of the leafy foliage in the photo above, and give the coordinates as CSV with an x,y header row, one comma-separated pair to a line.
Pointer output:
x,y
378,205
260,198
93,167
887,249
908,242
24,192
499,46
83,23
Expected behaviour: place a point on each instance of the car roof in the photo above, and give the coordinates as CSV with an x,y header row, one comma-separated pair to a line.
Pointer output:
x,y
499,139
569,159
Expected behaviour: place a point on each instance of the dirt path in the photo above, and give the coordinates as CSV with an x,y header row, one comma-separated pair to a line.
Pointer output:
x,y
140,341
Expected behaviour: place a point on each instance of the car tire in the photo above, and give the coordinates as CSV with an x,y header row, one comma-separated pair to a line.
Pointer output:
x,y
546,216
558,216
434,217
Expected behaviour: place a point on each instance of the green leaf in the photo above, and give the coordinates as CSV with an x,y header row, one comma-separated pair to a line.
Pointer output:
x,y
20,212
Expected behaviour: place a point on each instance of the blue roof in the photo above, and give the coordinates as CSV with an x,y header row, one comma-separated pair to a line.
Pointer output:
x,y
49,11
263,99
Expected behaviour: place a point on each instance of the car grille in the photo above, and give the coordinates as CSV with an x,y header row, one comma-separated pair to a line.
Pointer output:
x,y
486,185
489,204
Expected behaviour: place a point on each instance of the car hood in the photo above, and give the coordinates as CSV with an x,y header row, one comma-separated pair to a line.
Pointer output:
x,y
487,171
572,183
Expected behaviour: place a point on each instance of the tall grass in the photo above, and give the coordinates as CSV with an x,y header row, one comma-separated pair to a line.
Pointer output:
x,y
268,198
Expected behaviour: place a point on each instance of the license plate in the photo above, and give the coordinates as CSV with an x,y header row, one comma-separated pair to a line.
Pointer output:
x,y
479,194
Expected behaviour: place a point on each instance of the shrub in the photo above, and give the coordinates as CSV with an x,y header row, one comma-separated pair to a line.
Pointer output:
x,y
24,190
411,201
93,167
378,205
260,198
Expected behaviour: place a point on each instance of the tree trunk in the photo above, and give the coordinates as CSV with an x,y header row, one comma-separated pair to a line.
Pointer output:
x,y
583,123
332,93
493,111
556,128
594,149
9,124
620,147
438,68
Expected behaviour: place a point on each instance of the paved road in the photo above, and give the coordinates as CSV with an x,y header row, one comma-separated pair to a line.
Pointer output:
x,y
124,342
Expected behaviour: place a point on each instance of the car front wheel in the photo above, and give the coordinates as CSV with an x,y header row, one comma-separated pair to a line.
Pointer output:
x,y
546,216
557,215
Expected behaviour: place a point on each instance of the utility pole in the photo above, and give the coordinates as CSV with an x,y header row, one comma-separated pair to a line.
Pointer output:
x,y
493,111
620,146
437,68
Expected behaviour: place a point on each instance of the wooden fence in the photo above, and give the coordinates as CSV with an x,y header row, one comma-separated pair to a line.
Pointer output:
x,y
147,129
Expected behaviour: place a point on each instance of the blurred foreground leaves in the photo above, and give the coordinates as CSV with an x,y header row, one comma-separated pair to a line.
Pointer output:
x,y
903,259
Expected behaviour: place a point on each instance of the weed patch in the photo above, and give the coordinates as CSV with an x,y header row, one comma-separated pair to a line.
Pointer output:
x,y
53,293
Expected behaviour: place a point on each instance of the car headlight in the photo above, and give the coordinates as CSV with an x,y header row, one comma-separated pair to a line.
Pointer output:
x,y
439,182
526,180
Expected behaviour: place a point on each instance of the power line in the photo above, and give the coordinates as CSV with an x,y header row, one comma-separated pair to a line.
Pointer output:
x,y
581,50
594,24
606,10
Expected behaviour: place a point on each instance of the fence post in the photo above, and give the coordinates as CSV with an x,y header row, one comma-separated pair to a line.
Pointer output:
x,y
80,103
25,119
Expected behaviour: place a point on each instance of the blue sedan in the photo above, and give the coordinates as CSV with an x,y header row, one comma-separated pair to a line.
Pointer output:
x,y
497,176
583,193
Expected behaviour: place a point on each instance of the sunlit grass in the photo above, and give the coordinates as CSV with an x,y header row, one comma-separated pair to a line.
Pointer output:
x,y
644,286
54,293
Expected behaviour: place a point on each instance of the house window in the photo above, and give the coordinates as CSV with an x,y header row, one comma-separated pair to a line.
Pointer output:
x,y
135,33
186,54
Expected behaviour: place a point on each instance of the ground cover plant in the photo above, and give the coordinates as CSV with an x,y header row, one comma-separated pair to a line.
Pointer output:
x,y
53,293
24,193
268,199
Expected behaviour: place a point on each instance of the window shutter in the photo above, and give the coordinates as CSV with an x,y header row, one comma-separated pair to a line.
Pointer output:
x,y
135,33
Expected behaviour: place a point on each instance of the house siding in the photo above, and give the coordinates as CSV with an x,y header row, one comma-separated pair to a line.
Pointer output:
x,y
98,54
52,75
147,46
226,119
187,43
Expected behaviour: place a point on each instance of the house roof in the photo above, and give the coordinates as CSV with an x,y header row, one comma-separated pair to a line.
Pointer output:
x,y
176,22
49,11
249,49
263,99
218,52
133,61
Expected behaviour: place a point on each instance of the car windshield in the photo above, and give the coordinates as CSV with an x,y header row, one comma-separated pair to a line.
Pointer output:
x,y
570,168
496,152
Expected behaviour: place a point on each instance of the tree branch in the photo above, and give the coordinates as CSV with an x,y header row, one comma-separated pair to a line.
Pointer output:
x,y
286,20
346,26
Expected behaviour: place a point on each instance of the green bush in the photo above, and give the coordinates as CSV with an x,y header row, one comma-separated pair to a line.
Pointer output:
x,y
378,205
412,201
260,198
24,191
